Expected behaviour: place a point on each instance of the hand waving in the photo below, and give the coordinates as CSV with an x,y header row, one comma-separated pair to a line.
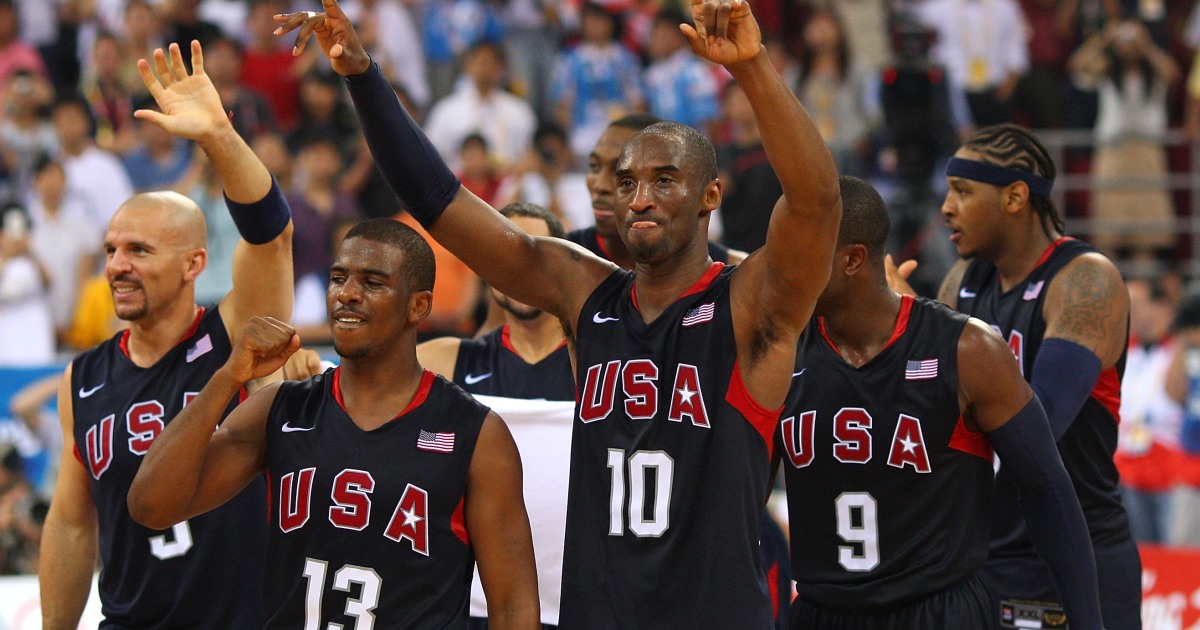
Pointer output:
x,y
189,104
725,31
263,347
335,35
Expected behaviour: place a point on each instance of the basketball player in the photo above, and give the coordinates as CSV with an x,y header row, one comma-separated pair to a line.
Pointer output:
x,y
683,364
115,399
385,479
1064,310
601,239
524,362
898,403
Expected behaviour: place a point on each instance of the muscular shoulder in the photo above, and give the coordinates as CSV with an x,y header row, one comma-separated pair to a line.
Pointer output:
x,y
439,355
1087,303
991,386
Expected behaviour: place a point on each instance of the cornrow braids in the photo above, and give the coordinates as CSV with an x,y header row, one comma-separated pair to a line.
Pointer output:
x,y
1016,147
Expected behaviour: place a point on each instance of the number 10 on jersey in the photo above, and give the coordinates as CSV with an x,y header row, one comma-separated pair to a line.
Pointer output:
x,y
649,508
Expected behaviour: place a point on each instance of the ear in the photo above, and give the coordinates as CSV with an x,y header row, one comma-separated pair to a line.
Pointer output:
x,y
711,200
1015,197
420,303
854,257
196,261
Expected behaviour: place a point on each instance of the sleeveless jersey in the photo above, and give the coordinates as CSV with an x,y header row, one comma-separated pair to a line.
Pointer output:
x,y
205,572
888,491
1087,447
590,240
369,524
491,367
670,461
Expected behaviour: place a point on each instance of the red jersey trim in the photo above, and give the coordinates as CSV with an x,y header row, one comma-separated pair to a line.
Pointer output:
x,y
458,524
603,248
970,442
78,455
898,330
703,283
762,419
1108,392
1050,250
124,341
270,494
418,398
506,341
773,589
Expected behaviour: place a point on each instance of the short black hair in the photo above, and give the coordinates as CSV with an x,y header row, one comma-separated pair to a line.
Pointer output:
x,y
636,122
864,217
697,147
418,256
534,211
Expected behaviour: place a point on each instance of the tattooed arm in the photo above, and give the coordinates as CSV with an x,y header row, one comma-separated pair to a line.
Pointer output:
x,y
1087,327
948,292
1087,304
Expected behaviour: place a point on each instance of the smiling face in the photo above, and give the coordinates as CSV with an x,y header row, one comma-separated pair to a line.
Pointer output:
x,y
368,298
154,250
973,212
661,198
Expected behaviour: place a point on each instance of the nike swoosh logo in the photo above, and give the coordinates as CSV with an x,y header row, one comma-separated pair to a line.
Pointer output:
x,y
795,374
288,428
599,319
84,393
471,379
965,294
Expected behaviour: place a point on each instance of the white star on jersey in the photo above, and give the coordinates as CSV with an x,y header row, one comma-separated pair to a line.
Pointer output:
x,y
411,518
909,445
686,394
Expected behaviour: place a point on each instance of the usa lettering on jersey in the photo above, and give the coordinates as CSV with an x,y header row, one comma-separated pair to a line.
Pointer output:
x,y
351,506
143,423
852,434
639,385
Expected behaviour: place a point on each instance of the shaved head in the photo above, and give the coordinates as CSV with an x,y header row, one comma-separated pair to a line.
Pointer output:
x,y
180,220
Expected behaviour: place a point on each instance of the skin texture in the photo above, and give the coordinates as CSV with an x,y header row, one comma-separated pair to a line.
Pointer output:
x,y
154,251
374,313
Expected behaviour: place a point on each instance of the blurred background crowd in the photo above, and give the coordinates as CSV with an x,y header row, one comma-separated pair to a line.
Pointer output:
x,y
515,93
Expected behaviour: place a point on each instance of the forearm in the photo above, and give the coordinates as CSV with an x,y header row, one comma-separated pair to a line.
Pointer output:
x,y
165,487
1048,502
1064,375
515,616
793,144
243,175
65,566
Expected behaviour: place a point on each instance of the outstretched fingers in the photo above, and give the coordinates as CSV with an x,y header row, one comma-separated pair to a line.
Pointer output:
x,y
332,9
178,70
161,70
310,24
197,58
148,79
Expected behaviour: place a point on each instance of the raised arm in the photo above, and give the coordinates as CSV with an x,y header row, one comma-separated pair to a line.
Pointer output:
x,y
1087,324
995,398
776,287
68,551
550,274
193,468
262,260
499,529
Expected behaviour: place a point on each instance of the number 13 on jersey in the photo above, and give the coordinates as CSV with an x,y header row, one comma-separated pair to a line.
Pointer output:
x,y
649,507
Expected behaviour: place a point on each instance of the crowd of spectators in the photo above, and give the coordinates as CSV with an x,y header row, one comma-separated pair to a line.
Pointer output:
x,y
514,93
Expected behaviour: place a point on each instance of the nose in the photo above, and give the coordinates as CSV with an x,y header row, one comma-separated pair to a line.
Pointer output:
x,y
642,200
118,263
947,208
602,181
350,292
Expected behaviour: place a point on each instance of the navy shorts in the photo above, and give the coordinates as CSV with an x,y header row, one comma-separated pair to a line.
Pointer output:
x,y
963,606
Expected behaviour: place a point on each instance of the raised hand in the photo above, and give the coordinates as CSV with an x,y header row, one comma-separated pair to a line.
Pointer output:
x,y
263,347
335,35
725,32
189,104
897,275
303,364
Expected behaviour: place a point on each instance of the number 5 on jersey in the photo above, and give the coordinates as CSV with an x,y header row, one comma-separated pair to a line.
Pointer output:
x,y
640,465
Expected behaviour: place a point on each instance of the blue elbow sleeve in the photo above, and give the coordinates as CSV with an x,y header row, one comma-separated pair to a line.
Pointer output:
x,y
261,221
1064,375
409,162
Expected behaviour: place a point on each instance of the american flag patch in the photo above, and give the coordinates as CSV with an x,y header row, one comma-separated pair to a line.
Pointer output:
x,y
437,442
700,314
922,370
202,347
1033,291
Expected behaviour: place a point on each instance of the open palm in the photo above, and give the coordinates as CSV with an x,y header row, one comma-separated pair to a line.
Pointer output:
x,y
725,32
189,104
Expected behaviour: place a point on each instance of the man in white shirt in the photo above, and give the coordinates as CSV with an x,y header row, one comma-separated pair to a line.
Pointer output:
x,y
93,174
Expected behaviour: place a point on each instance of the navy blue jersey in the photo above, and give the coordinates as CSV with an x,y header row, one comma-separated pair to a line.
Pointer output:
x,y
888,491
670,463
590,240
205,572
491,366
369,524
1087,447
